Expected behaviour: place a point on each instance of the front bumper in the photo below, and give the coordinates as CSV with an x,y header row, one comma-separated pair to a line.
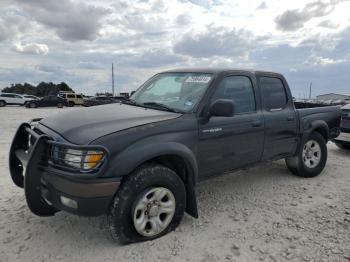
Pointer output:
x,y
47,188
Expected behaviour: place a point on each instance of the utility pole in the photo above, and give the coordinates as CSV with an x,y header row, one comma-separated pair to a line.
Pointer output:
x,y
310,90
112,80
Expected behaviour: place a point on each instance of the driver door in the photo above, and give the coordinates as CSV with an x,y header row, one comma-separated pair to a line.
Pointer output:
x,y
227,143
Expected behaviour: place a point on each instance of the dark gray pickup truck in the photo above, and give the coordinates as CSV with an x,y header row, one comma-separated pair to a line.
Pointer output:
x,y
139,161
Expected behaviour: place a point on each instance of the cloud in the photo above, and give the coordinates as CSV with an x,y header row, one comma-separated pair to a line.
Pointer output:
x,y
72,21
32,48
216,41
328,24
183,19
262,6
295,19
323,61
11,25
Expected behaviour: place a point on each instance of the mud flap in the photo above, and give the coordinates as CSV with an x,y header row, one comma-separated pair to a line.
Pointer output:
x,y
32,183
191,199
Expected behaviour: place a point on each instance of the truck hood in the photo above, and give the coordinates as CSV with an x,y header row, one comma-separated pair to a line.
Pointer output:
x,y
82,126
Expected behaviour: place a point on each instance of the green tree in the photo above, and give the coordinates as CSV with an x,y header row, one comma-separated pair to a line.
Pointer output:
x,y
42,89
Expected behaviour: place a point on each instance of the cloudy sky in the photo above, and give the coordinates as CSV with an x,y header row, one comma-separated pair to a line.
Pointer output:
x,y
76,41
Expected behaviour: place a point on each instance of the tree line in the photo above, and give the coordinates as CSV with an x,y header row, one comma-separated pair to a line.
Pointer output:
x,y
41,90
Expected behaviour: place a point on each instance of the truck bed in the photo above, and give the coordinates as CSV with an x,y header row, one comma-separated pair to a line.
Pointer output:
x,y
330,114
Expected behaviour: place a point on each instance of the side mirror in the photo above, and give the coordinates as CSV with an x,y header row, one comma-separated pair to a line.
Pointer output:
x,y
222,107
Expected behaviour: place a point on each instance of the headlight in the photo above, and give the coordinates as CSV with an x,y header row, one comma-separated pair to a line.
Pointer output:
x,y
83,160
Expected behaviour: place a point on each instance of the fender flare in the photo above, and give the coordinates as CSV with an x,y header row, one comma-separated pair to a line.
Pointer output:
x,y
311,126
126,161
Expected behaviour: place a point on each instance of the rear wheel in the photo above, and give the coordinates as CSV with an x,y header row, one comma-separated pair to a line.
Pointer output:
x,y
311,158
2,103
59,105
149,204
33,105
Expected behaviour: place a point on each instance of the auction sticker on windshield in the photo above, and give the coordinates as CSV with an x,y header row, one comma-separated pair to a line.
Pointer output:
x,y
198,79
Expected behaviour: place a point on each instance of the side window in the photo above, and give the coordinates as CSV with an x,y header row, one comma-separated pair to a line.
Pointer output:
x,y
71,96
240,90
79,96
273,92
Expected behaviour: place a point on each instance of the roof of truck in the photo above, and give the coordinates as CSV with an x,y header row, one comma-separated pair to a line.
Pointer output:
x,y
219,70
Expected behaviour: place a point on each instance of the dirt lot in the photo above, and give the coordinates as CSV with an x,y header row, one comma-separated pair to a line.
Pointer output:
x,y
260,214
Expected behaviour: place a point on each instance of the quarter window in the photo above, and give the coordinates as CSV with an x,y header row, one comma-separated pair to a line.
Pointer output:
x,y
240,90
273,92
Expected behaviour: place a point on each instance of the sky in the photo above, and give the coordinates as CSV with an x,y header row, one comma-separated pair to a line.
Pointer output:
x,y
76,41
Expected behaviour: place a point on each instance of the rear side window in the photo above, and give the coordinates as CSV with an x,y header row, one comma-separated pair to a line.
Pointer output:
x,y
79,96
273,92
240,90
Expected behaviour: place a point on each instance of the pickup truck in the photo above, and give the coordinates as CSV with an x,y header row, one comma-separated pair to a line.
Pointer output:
x,y
139,161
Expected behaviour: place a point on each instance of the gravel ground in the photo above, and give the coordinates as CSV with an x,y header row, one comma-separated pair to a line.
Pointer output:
x,y
259,214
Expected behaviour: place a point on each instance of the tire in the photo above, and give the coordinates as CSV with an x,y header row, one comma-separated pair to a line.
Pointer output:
x,y
71,104
59,105
32,105
342,145
127,207
311,158
2,103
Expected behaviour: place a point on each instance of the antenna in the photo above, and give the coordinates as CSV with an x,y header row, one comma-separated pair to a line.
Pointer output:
x,y
112,80
310,90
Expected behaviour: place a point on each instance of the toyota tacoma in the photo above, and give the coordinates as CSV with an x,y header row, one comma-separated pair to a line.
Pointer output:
x,y
139,161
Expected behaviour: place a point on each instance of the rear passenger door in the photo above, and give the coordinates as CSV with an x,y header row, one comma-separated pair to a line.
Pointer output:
x,y
280,117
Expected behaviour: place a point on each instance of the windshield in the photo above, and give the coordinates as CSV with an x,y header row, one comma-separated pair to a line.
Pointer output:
x,y
177,91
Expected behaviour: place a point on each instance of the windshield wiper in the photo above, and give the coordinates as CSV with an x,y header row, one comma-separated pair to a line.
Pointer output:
x,y
130,102
162,106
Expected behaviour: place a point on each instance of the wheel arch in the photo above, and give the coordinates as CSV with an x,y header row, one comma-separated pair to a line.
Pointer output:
x,y
321,127
175,156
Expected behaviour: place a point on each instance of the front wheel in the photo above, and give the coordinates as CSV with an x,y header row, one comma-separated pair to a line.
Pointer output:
x,y
311,158
2,103
149,204
59,105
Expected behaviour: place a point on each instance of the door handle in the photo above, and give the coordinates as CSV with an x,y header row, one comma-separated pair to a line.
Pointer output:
x,y
257,123
290,118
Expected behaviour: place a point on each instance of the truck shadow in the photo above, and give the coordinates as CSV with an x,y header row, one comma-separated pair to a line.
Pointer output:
x,y
238,189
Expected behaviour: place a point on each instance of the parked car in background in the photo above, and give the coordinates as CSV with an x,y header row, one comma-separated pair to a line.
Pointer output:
x,y
11,99
30,97
51,100
98,100
119,98
343,140
73,99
